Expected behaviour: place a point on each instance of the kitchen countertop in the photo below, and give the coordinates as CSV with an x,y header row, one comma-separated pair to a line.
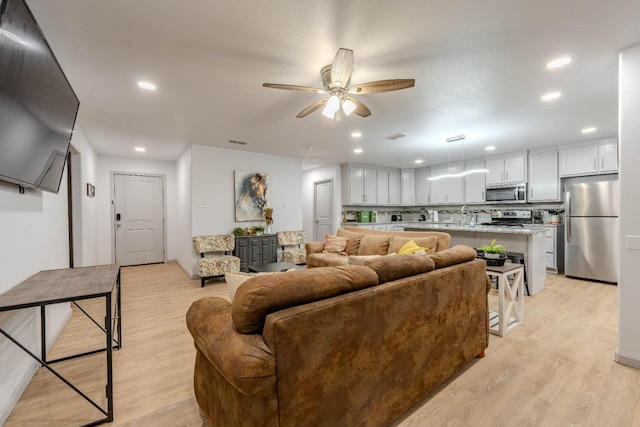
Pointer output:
x,y
537,228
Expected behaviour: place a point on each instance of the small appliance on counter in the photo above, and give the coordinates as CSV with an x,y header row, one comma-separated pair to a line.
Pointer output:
x,y
396,217
364,216
349,216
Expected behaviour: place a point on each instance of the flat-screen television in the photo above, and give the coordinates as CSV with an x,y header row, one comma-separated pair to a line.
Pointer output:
x,y
38,107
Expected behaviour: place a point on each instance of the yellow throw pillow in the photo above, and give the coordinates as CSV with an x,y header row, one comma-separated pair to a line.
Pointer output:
x,y
412,248
335,245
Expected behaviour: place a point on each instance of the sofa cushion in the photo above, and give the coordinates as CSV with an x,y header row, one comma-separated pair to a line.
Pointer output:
x,y
334,245
362,259
398,242
265,294
353,242
234,280
454,255
374,245
326,260
389,268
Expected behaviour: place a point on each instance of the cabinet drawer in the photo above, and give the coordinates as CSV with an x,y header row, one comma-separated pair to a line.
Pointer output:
x,y
550,246
551,260
551,232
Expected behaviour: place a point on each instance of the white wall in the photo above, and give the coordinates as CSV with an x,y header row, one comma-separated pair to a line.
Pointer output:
x,y
628,351
184,246
34,237
107,165
212,185
308,179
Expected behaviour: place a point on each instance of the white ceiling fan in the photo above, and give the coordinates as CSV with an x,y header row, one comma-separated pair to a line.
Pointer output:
x,y
336,78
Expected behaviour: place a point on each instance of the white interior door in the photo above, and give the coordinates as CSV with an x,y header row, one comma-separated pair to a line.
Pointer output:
x,y
323,209
138,219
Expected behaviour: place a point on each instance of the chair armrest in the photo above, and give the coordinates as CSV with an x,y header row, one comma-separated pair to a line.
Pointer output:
x,y
243,359
314,247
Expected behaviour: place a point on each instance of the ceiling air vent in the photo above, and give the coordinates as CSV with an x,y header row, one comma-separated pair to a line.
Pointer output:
x,y
396,136
235,141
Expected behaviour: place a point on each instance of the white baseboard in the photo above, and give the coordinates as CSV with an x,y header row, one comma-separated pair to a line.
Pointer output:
x,y
628,361
14,396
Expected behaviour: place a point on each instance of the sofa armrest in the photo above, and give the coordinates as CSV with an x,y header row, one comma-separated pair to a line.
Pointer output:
x,y
314,247
244,360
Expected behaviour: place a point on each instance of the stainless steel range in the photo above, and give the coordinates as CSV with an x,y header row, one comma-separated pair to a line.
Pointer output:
x,y
511,218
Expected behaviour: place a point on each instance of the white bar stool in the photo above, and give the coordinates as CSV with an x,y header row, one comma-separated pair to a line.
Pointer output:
x,y
510,298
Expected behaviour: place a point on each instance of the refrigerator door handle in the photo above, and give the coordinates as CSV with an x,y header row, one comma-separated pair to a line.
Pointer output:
x,y
568,217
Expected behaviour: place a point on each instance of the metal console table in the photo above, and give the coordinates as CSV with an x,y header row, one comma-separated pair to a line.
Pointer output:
x,y
72,285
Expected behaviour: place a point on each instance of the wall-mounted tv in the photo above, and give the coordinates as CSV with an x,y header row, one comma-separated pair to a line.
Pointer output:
x,y
38,107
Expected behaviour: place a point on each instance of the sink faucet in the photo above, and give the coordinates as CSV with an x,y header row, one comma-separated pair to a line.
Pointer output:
x,y
463,215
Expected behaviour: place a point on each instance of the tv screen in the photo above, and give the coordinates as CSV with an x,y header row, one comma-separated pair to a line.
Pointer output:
x,y
38,107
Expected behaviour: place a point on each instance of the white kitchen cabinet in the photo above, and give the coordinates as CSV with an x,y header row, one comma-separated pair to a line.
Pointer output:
x,y
544,181
589,159
358,185
423,186
388,187
394,187
408,187
608,157
509,169
446,190
554,249
474,184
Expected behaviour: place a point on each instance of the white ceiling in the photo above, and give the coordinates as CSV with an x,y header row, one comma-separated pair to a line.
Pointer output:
x,y
479,68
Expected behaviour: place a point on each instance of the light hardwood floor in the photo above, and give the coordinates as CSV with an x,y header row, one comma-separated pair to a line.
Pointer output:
x,y
555,370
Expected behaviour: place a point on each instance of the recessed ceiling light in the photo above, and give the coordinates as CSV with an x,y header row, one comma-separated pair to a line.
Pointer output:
x,y
358,150
356,134
559,62
589,130
146,85
551,96
490,148
418,161
141,149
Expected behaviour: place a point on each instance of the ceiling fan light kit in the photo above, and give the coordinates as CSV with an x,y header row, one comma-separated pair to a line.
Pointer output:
x,y
336,78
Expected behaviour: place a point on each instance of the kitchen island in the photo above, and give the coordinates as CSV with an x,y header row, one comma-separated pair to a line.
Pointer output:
x,y
529,241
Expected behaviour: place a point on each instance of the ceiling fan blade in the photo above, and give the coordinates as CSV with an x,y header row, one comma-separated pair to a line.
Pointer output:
x,y
361,109
382,86
342,67
311,108
293,87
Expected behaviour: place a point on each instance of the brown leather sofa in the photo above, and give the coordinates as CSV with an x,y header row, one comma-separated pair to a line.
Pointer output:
x,y
339,346
363,243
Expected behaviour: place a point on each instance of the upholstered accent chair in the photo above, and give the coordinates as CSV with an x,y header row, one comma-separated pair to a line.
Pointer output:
x,y
215,256
292,246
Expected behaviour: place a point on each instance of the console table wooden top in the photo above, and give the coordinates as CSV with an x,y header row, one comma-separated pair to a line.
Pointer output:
x,y
67,284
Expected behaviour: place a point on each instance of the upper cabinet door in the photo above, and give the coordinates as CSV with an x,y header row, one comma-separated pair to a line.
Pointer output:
x,y
382,187
370,178
515,169
496,171
423,187
581,160
394,187
474,184
544,182
608,154
408,187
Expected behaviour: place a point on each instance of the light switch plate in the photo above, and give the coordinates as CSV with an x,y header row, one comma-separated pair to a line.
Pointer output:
x,y
633,243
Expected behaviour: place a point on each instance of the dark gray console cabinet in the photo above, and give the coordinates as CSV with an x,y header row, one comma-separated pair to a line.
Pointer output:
x,y
256,250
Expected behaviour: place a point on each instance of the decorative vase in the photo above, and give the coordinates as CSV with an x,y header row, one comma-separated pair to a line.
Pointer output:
x,y
267,229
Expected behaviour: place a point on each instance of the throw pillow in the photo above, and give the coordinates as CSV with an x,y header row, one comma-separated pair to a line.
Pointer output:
x,y
334,245
397,242
234,280
411,247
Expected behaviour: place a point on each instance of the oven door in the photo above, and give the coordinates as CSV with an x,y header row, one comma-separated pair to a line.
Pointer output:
x,y
507,194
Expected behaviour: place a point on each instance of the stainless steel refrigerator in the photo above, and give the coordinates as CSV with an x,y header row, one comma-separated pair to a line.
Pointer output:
x,y
592,230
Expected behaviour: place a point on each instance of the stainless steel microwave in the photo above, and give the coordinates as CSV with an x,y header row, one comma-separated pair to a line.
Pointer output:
x,y
508,193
